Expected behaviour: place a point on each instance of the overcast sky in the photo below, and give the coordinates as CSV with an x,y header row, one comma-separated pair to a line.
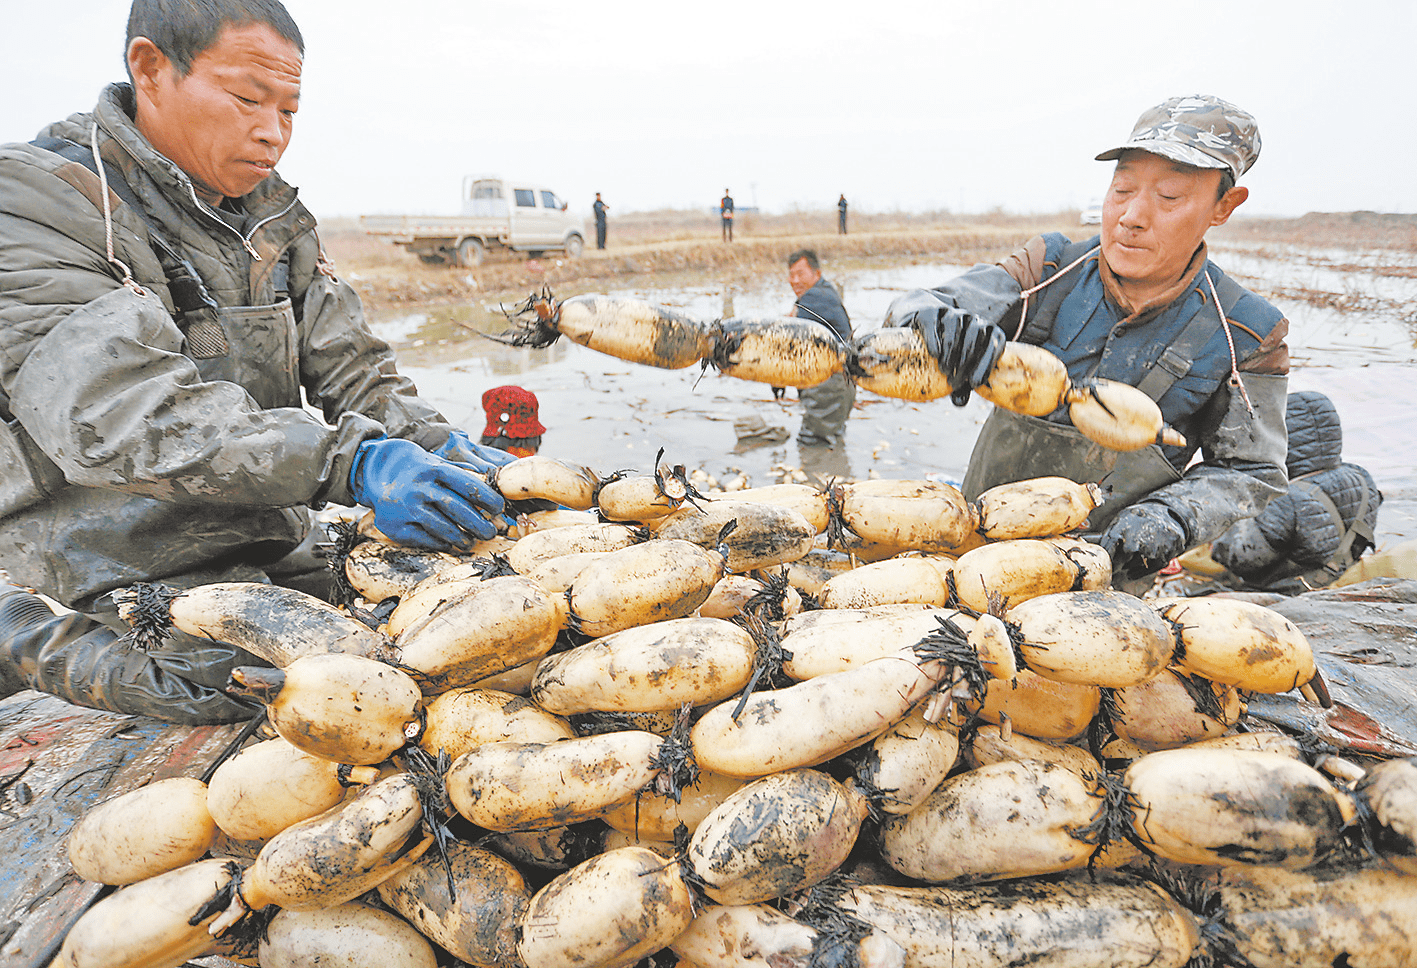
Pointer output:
x,y
965,106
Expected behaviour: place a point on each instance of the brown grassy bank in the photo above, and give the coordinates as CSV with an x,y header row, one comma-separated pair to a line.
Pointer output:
x,y
677,248
672,248
1369,230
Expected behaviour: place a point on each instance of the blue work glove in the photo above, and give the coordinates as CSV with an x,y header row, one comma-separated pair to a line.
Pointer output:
x,y
420,499
1142,539
965,346
461,449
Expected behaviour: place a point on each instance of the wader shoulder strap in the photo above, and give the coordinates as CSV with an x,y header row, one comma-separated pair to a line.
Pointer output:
x,y
1176,360
77,152
1052,296
1320,495
183,282
1360,527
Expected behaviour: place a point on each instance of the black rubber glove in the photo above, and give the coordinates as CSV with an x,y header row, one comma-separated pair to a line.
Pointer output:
x,y
965,346
79,659
1142,539
905,309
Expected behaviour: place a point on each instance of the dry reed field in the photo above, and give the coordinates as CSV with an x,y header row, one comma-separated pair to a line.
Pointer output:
x,y
677,247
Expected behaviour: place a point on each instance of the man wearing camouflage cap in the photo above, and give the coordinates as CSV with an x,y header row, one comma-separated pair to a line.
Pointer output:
x,y
1141,304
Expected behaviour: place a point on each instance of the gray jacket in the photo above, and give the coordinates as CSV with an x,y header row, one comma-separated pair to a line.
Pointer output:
x,y
161,443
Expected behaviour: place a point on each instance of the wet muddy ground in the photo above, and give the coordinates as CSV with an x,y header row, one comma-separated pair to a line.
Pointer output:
x,y
1353,336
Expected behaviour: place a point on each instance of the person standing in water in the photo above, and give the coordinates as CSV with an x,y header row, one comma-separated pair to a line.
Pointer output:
x,y
825,406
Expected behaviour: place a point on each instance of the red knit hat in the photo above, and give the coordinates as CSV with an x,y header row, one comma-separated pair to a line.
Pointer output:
x,y
511,412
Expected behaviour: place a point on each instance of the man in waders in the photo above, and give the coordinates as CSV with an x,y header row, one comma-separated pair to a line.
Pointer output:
x,y
166,312
1141,304
825,406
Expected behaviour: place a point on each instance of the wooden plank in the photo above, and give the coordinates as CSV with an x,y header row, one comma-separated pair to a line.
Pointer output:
x,y
56,761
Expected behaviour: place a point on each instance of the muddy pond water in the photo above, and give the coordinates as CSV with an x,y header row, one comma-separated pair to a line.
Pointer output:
x,y
1353,336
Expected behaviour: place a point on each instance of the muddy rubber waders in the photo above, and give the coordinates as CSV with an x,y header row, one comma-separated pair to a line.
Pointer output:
x,y
88,663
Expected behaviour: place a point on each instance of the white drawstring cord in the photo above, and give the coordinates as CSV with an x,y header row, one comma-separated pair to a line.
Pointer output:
x,y
128,279
1230,339
1215,295
1023,315
324,265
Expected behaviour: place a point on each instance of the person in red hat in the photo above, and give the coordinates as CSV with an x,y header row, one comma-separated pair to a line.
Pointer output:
x,y
512,423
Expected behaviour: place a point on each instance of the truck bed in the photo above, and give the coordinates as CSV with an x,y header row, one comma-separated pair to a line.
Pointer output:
x,y
409,227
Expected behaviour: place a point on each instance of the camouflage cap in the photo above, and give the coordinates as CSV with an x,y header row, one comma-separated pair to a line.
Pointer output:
x,y
1198,130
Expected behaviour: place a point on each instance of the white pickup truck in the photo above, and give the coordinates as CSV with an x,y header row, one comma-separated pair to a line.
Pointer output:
x,y
497,213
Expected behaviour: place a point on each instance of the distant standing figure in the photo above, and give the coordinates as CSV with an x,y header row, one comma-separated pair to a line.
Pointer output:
x,y
841,215
725,215
512,423
825,406
600,210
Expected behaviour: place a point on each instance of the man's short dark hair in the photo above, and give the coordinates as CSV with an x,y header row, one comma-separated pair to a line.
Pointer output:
x,y
1227,182
182,29
809,254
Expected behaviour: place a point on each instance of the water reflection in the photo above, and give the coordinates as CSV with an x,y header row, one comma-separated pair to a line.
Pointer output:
x,y
822,465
